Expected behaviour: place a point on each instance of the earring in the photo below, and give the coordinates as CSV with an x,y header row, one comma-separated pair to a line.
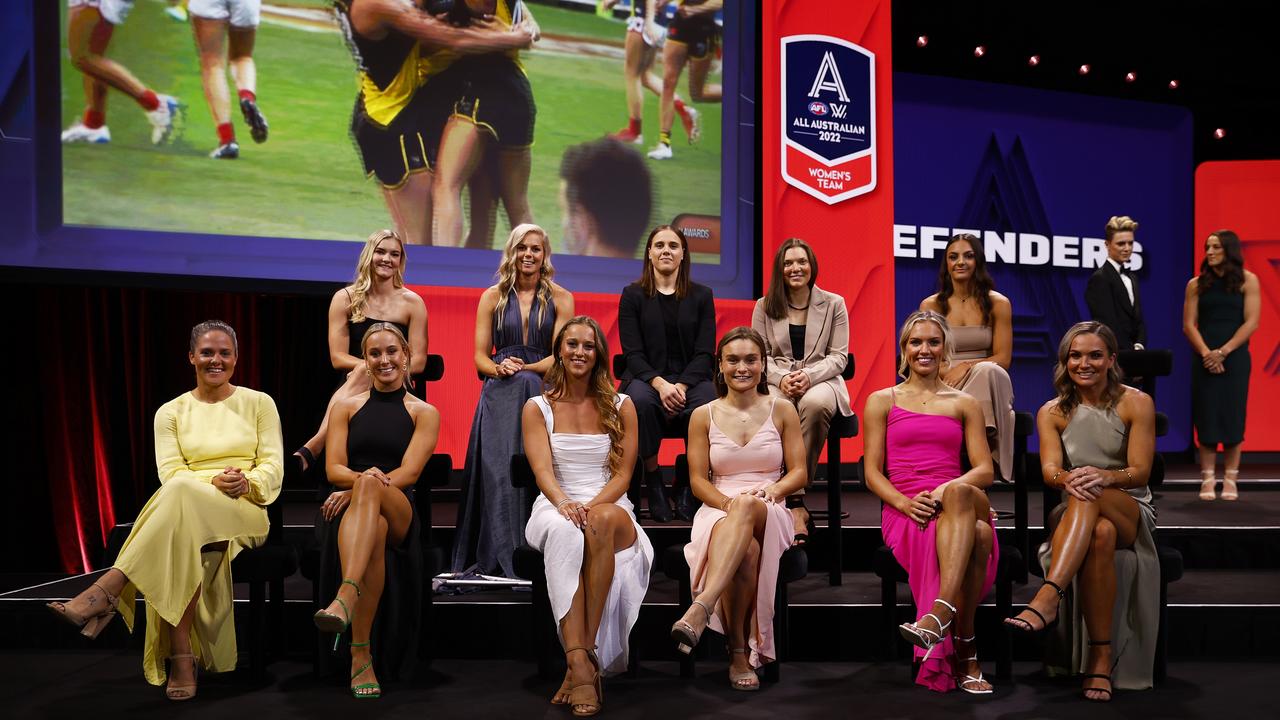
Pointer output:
x,y
404,367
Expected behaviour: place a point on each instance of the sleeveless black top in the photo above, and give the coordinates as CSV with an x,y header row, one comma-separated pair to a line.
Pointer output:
x,y
379,433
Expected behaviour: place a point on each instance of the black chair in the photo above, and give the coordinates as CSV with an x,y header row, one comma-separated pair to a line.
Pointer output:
x,y
266,565
1146,365
792,566
842,426
1171,562
1024,424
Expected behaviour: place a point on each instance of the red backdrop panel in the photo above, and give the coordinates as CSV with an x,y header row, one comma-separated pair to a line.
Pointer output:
x,y
852,238
451,322
1242,196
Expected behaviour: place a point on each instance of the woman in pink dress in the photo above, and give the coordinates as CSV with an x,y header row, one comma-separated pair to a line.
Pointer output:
x,y
738,448
935,518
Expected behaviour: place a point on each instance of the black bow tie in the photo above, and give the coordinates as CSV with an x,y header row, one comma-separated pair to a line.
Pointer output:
x,y
1124,270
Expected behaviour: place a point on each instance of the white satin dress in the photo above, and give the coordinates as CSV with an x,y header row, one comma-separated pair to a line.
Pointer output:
x,y
581,465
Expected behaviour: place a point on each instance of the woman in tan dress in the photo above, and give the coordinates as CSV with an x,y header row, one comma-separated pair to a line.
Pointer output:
x,y
981,322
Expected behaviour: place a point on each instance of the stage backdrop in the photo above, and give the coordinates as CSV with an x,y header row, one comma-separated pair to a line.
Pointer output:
x,y
1241,196
1036,175
826,163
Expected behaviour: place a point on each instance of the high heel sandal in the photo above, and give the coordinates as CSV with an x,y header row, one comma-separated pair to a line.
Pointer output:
x,y
1021,625
797,501
578,694
1229,491
914,634
358,691
747,680
1098,676
90,625
178,693
684,634
1206,485
328,622
964,680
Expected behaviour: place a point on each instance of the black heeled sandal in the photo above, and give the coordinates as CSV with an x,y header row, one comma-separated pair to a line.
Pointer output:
x,y
1021,625
1097,676
797,501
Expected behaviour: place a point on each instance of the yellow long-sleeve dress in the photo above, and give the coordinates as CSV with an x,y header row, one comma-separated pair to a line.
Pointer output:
x,y
195,441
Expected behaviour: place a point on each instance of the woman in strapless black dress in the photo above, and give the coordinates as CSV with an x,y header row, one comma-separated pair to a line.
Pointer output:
x,y
377,294
371,562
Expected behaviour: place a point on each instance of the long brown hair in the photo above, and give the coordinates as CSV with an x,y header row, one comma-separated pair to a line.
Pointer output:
x,y
1232,264
775,302
1068,398
742,332
599,386
646,281
982,284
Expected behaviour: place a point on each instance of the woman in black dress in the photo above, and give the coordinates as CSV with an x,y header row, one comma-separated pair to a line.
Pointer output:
x,y
378,443
1218,316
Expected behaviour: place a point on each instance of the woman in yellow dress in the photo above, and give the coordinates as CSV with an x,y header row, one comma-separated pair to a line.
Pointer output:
x,y
218,455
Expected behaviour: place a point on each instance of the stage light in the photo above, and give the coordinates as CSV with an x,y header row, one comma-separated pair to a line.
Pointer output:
x,y
1084,69
1219,133
922,41
1173,84
1034,60
1130,76
980,51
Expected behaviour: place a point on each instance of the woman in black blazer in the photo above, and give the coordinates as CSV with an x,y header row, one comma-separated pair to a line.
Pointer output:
x,y
667,326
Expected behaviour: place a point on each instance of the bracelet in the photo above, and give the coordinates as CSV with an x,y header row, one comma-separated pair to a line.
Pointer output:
x,y
724,505
1127,474
1054,479
560,504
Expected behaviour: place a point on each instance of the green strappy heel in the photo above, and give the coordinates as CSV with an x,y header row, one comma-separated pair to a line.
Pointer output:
x,y
364,691
328,622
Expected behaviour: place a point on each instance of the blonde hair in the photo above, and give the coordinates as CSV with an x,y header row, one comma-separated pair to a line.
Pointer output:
x,y
1120,223
363,281
404,345
507,273
600,386
915,318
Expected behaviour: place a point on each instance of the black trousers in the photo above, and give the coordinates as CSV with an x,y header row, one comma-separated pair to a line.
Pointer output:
x,y
653,419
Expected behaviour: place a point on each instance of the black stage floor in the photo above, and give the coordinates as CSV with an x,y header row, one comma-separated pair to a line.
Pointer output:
x,y
108,684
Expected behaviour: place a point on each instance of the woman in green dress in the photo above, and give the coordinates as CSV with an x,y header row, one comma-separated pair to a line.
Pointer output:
x,y
1218,316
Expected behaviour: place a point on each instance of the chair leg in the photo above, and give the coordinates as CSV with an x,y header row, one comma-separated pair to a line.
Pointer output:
x,y
1004,608
835,509
258,624
280,648
1162,637
544,630
686,600
889,616
781,634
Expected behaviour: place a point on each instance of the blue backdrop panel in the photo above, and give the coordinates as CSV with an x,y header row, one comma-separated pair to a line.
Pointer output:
x,y
1046,170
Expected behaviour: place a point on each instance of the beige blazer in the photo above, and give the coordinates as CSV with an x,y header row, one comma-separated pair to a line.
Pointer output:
x,y
826,344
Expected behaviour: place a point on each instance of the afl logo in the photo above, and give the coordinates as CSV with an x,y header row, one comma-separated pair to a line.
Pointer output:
x,y
817,108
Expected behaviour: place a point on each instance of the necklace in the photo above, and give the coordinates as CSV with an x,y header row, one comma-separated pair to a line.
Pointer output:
x,y
793,307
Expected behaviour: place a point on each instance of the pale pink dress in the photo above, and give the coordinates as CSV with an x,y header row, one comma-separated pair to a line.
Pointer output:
x,y
735,470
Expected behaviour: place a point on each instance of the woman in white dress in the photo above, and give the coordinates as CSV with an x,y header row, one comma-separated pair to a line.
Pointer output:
x,y
580,438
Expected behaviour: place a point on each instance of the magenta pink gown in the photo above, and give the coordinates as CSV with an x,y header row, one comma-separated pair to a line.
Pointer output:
x,y
922,451
735,470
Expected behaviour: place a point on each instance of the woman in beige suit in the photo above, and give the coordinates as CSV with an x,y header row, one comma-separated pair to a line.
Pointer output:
x,y
807,332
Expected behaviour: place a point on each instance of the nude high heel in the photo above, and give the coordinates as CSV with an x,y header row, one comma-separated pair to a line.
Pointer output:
x,y
90,625
683,632
1207,483
1229,490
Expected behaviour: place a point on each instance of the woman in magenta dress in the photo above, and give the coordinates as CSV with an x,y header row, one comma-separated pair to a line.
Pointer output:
x,y
935,518
738,447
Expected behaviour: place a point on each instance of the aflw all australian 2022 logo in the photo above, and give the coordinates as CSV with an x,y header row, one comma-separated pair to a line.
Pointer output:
x,y
828,117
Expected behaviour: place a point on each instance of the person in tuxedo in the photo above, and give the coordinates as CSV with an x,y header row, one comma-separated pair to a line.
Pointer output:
x,y
1112,293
